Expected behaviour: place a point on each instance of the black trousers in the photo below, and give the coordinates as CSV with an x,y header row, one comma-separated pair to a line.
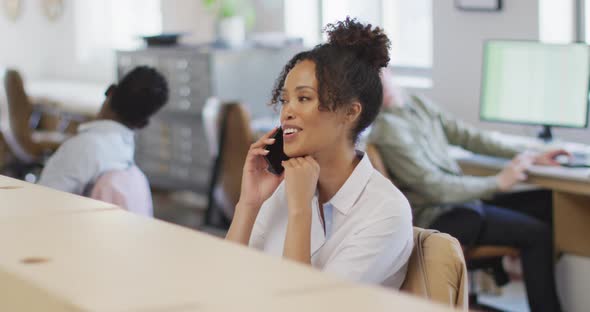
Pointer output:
x,y
522,220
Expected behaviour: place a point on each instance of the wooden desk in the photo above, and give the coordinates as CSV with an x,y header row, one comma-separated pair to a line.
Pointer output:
x,y
571,199
21,199
111,260
116,261
341,299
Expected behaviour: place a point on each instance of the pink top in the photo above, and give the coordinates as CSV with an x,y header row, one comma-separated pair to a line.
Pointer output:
x,y
128,189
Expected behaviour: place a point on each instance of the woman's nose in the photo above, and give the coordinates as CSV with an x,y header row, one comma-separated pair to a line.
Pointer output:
x,y
287,112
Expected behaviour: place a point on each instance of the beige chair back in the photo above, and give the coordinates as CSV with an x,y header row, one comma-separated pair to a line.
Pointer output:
x,y
238,137
437,270
15,109
15,113
227,128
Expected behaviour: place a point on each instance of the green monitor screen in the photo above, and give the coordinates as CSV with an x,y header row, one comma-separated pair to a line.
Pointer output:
x,y
529,82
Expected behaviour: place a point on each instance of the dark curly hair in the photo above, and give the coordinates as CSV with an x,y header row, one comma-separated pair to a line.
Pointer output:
x,y
347,69
138,95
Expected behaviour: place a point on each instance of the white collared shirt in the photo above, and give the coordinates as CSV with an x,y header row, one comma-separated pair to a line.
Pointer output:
x,y
99,146
369,235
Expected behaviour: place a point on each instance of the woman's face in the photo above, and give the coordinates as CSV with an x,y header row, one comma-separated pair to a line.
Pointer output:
x,y
306,129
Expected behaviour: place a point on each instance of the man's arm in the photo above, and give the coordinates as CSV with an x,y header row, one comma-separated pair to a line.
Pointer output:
x,y
470,138
410,166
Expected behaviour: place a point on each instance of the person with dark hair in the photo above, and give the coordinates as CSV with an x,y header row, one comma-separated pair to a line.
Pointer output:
x,y
330,208
107,143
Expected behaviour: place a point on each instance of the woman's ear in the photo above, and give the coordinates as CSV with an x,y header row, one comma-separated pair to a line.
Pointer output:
x,y
354,111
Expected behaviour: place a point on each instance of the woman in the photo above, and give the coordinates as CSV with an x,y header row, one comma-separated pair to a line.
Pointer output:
x,y
362,230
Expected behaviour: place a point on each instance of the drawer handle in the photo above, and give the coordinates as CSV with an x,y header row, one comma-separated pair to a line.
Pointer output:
x,y
184,104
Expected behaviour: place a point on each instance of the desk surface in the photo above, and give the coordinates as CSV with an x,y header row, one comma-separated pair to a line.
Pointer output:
x,y
574,174
21,199
571,198
572,180
112,260
115,261
341,299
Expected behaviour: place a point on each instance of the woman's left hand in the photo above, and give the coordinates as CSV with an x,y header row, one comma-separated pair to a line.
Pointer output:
x,y
301,179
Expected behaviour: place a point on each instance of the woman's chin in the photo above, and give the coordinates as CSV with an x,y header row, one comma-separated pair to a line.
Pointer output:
x,y
294,152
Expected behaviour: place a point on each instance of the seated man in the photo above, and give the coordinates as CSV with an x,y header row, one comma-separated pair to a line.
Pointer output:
x,y
108,142
413,137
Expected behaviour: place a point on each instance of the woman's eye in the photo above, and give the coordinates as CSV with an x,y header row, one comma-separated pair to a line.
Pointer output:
x,y
303,99
283,101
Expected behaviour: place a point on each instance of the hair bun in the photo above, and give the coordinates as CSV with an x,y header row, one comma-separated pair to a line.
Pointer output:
x,y
369,43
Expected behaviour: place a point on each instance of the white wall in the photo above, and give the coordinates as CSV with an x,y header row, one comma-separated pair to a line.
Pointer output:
x,y
42,49
32,42
269,16
458,38
191,17
188,16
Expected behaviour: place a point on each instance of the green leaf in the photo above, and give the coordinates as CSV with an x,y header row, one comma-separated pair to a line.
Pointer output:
x,y
230,8
209,3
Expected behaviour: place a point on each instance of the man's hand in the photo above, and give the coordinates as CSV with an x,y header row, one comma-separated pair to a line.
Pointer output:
x,y
548,158
515,171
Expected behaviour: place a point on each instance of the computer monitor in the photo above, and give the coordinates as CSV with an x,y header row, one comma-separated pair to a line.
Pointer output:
x,y
528,82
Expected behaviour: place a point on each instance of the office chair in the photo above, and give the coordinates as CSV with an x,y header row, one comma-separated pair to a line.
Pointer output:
x,y
437,270
227,127
17,120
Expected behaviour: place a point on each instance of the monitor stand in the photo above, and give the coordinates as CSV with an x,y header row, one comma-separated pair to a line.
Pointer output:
x,y
545,134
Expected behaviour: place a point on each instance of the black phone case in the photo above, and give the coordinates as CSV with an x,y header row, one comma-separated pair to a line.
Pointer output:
x,y
276,154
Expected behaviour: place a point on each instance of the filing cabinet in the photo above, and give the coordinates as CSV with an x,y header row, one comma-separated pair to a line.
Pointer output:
x,y
172,150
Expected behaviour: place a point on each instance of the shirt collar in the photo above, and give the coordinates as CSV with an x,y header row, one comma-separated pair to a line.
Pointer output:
x,y
349,193
104,126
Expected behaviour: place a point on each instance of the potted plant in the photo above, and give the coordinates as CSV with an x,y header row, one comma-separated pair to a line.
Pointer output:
x,y
233,16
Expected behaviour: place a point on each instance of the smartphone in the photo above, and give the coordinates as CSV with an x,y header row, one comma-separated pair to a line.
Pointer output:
x,y
276,154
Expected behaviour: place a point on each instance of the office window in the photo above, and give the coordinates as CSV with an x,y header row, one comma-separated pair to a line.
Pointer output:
x,y
557,21
103,26
302,20
407,23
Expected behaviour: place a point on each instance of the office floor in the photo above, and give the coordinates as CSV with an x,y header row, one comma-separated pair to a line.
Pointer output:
x,y
513,298
183,208
188,209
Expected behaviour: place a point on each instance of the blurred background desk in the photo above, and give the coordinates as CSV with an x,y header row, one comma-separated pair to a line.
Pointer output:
x,y
63,104
571,221
74,97
571,198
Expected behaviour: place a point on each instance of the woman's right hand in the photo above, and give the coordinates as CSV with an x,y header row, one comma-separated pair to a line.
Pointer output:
x,y
258,184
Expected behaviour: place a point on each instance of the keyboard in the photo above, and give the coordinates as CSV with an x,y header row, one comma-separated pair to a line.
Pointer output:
x,y
577,160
